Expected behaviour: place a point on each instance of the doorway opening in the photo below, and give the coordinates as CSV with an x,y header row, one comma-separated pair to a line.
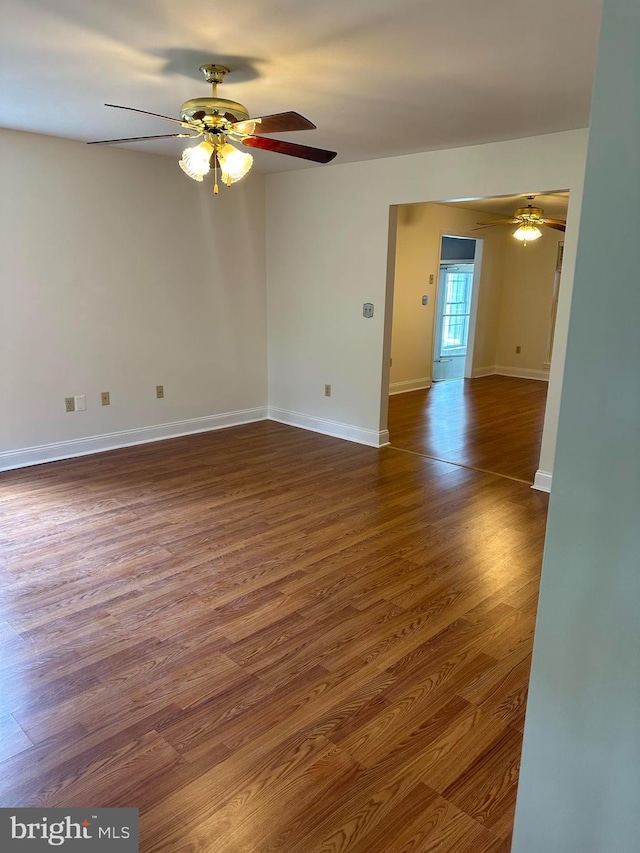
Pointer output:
x,y
453,319
470,330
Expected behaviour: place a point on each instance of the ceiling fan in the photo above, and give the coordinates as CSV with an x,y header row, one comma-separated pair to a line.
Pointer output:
x,y
528,219
217,121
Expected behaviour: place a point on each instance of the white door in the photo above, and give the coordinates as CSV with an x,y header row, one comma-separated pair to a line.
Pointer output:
x,y
452,321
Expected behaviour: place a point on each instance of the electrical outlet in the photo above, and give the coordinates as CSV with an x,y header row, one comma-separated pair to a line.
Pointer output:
x,y
327,390
105,398
160,392
518,350
69,404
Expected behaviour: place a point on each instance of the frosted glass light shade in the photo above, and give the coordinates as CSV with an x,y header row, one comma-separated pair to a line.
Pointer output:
x,y
527,232
195,161
234,164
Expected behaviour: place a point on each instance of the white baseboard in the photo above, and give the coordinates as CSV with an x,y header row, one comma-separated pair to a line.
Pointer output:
x,y
521,372
125,438
410,385
542,481
504,370
483,371
332,428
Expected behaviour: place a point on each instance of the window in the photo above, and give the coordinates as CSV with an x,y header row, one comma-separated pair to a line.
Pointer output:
x,y
456,310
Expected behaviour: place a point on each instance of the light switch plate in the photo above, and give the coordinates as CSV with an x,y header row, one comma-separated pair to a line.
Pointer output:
x,y
367,309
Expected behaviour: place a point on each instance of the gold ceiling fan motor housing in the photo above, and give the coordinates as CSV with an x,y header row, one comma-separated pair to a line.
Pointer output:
x,y
213,111
529,214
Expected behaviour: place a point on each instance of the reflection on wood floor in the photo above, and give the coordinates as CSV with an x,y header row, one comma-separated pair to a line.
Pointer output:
x,y
269,641
493,423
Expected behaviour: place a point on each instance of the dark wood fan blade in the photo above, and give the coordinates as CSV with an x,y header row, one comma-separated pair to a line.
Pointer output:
x,y
277,123
138,138
556,225
495,222
562,222
147,113
319,155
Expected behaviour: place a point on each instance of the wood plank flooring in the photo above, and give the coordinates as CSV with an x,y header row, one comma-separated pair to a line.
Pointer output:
x,y
269,640
493,423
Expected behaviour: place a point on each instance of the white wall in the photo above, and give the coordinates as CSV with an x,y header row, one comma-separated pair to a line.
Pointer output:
x,y
580,778
525,305
327,238
550,432
118,274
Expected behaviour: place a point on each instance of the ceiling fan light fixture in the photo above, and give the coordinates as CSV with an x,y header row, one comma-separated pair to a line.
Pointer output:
x,y
234,164
195,161
527,232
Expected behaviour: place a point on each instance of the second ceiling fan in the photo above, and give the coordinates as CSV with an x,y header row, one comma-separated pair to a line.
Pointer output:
x,y
529,219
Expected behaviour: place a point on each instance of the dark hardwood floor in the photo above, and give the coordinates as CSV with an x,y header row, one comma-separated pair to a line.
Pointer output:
x,y
493,423
269,640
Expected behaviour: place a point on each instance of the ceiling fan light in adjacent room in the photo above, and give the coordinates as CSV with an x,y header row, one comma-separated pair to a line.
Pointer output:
x,y
233,163
527,232
196,161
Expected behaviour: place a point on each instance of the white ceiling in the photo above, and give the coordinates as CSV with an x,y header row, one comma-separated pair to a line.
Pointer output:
x,y
379,78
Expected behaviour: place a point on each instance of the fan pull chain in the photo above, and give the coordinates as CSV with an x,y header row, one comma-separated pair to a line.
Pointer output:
x,y
215,173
